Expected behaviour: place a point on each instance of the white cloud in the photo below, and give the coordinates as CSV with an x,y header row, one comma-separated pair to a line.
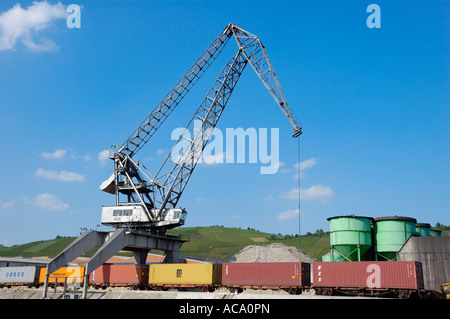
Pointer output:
x,y
314,192
304,165
84,158
278,165
49,202
103,157
288,214
6,205
58,154
23,25
268,198
317,192
160,151
63,176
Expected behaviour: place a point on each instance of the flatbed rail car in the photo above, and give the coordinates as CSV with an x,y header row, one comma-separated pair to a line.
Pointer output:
x,y
290,276
120,275
20,276
206,276
401,279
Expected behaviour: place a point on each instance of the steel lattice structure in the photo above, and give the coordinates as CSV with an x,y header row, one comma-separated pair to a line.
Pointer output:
x,y
156,194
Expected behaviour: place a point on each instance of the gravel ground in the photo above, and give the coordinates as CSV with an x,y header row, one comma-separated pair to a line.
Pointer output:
x,y
124,293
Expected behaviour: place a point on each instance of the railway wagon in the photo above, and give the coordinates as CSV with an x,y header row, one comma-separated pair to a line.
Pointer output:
x,y
206,276
398,278
19,276
120,275
290,276
71,274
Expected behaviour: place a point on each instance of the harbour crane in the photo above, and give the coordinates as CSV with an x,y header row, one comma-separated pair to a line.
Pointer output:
x,y
147,201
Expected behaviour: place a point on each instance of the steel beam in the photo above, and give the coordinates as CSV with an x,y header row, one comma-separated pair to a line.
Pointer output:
x,y
110,243
79,246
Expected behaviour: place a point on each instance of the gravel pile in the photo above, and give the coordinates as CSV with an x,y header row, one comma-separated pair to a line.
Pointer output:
x,y
270,253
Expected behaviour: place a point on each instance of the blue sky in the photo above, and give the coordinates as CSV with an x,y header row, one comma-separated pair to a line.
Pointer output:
x,y
374,105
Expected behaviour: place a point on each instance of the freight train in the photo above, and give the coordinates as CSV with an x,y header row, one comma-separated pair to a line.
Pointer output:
x,y
402,279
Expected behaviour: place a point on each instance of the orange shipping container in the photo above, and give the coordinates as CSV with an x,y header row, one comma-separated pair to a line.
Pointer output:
x,y
73,274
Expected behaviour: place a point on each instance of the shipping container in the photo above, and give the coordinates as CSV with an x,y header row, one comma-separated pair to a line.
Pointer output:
x,y
292,276
72,274
19,276
373,277
205,275
120,275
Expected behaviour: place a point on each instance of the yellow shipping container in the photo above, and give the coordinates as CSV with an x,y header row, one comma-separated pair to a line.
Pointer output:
x,y
73,274
185,275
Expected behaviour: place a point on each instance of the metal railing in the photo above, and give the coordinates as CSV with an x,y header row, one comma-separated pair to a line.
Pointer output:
x,y
70,287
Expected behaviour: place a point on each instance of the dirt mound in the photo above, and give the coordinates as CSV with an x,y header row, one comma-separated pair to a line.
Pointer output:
x,y
270,253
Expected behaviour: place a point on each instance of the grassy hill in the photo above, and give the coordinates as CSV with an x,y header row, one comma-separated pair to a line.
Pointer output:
x,y
212,242
223,242
48,248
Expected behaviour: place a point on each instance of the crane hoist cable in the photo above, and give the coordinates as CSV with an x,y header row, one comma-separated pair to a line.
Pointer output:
x,y
299,194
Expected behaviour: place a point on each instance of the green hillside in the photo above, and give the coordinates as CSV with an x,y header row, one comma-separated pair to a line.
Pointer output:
x,y
212,242
48,248
222,242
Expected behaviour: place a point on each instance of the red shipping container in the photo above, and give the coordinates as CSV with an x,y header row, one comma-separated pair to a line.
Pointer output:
x,y
120,275
266,275
369,274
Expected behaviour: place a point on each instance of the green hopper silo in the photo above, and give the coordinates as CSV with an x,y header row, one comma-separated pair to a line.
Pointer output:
x,y
390,235
350,237
336,257
423,230
435,232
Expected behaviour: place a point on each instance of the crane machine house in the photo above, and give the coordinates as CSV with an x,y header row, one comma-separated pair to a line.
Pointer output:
x,y
118,216
122,216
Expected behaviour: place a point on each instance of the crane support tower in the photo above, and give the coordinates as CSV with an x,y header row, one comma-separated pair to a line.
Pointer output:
x,y
146,203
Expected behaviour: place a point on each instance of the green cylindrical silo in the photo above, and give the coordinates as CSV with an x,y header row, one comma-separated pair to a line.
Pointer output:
x,y
351,237
423,230
390,235
336,257
435,232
